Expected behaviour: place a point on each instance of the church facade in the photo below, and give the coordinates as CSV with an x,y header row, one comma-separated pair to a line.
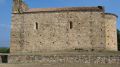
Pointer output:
x,y
62,29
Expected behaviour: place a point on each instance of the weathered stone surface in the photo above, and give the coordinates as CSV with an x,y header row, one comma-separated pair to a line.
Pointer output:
x,y
59,29
110,26
65,30
90,58
19,6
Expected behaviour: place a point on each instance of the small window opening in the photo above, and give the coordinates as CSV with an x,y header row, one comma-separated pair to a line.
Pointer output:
x,y
71,25
36,26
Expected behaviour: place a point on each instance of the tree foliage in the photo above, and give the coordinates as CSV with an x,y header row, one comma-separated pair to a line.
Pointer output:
x,y
4,50
118,39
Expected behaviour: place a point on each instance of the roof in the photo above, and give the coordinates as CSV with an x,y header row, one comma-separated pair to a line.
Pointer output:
x,y
64,9
112,14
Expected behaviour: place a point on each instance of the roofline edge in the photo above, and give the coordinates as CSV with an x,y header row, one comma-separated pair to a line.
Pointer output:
x,y
111,14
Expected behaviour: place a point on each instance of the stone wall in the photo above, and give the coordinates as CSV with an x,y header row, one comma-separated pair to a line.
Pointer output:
x,y
88,58
56,31
19,6
111,34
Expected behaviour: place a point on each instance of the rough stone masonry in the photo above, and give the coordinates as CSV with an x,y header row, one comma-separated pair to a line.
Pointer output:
x,y
59,29
53,35
66,57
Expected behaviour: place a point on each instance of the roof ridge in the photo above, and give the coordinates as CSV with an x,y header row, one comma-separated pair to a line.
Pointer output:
x,y
65,9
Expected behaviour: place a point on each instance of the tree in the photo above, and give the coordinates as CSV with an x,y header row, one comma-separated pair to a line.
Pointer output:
x,y
118,39
4,50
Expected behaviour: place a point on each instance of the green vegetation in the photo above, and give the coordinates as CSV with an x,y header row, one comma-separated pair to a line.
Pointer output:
x,y
118,39
4,50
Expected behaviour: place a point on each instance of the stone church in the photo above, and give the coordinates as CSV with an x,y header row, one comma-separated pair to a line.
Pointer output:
x,y
62,29
71,35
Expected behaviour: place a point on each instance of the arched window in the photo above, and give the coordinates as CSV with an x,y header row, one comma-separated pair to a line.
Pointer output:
x,y
71,24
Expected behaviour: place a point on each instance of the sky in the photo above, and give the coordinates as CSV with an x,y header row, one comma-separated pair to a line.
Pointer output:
x,y
111,6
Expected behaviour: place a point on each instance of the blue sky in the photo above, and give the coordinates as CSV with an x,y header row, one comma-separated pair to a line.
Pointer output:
x,y
111,6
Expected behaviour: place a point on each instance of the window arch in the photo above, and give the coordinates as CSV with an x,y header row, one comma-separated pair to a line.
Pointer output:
x,y
36,26
71,24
